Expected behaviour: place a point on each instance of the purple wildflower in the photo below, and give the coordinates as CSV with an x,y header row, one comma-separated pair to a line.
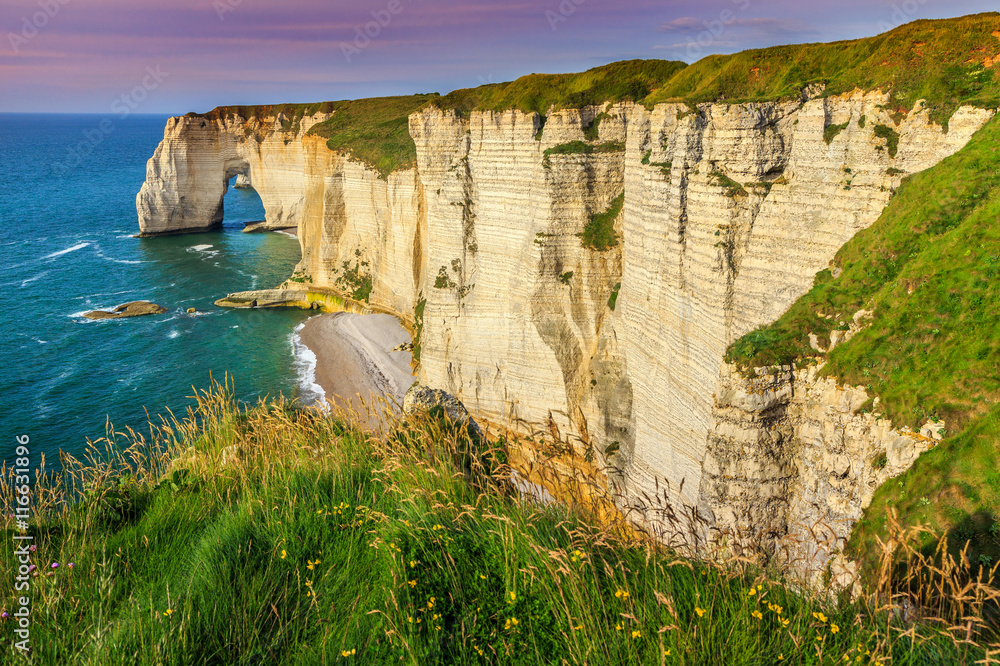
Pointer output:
x,y
55,565
32,547
71,565
5,615
31,568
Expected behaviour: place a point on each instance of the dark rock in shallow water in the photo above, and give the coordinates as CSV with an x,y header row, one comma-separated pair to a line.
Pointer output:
x,y
133,309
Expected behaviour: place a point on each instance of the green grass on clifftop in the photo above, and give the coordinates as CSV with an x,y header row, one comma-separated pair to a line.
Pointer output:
x,y
929,269
628,80
942,61
270,535
374,131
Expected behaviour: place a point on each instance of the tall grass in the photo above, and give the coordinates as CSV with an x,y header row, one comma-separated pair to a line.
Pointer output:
x,y
267,534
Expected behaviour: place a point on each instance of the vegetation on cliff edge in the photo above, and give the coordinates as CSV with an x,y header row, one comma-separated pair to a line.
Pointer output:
x,y
929,271
948,62
375,131
270,534
628,80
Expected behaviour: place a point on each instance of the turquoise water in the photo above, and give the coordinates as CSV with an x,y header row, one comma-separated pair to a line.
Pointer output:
x,y
66,247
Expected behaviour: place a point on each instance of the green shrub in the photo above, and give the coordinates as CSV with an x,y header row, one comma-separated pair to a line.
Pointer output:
x,y
731,187
831,132
592,131
891,137
613,300
599,233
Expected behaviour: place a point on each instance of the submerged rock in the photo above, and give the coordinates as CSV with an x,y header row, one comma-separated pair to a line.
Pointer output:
x,y
133,309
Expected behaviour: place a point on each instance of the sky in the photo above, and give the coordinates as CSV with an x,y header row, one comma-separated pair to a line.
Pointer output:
x,y
175,56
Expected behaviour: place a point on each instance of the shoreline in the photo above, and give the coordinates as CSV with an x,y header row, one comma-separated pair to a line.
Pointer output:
x,y
345,359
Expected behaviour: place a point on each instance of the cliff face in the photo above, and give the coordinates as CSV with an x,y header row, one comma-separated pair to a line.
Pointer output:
x,y
792,461
729,211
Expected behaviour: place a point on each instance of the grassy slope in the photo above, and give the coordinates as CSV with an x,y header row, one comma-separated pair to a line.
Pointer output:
x,y
929,269
941,61
317,545
375,131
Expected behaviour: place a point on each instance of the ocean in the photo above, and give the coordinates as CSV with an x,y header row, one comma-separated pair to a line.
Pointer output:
x,y
67,220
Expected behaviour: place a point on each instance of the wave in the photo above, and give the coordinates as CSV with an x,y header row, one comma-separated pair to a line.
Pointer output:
x,y
173,334
33,279
205,250
310,393
124,261
78,246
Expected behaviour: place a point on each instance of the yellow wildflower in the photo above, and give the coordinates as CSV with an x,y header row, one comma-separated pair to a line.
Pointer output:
x,y
413,563
349,653
284,554
168,612
621,594
757,614
834,629
636,634
513,598
819,616
752,592
412,583
700,611
619,627
781,657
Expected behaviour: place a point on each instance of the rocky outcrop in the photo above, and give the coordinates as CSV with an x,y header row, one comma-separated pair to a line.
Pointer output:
x,y
728,211
133,309
421,400
794,459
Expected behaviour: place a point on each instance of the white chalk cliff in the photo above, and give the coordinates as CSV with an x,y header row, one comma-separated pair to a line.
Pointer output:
x,y
729,211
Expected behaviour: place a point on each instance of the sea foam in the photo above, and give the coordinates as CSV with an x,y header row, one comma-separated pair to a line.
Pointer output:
x,y
78,246
310,393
